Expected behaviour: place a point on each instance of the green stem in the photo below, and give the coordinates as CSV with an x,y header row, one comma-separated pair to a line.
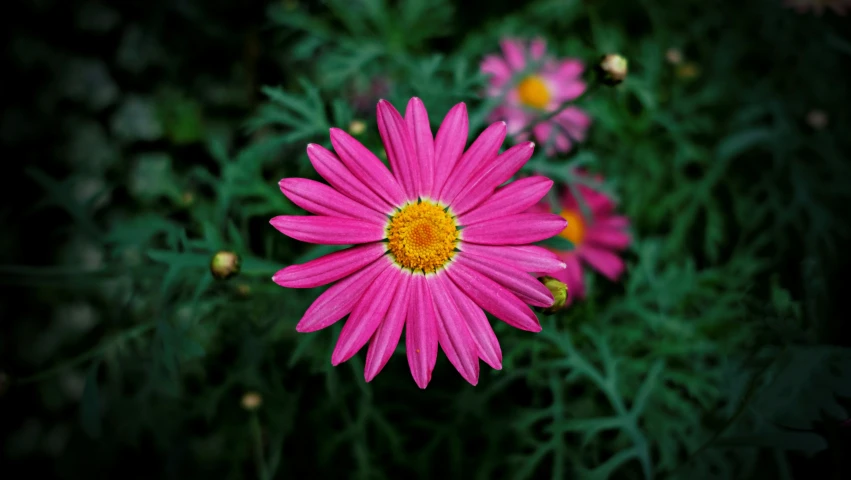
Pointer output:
x,y
259,459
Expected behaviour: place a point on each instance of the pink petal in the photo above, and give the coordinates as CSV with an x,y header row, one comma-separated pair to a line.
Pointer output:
x,y
416,118
516,197
449,143
528,258
496,67
336,302
386,338
615,222
487,344
573,277
494,298
604,261
518,229
537,48
524,286
321,199
606,238
329,268
334,172
452,333
399,147
569,70
421,332
574,122
328,230
482,152
368,313
367,167
513,50
491,176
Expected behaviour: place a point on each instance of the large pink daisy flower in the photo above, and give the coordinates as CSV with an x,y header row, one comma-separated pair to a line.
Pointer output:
x,y
596,238
535,85
438,241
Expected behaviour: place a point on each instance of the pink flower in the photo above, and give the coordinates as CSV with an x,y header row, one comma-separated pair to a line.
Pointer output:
x,y
438,242
818,6
596,239
533,86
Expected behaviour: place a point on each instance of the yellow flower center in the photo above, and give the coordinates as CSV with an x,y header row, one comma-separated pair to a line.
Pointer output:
x,y
422,236
533,92
575,229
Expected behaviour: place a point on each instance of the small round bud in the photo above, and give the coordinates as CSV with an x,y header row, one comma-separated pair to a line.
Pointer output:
x,y
688,70
357,127
224,264
817,119
243,290
612,69
251,401
674,56
559,291
187,199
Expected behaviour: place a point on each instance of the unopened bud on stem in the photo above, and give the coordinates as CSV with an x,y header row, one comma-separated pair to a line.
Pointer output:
x,y
612,69
559,291
224,265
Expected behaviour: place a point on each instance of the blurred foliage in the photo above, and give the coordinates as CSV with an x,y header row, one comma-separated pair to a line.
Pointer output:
x,y
151,135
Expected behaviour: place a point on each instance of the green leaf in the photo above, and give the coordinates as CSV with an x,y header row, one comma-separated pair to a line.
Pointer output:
x,y
558,243
90,404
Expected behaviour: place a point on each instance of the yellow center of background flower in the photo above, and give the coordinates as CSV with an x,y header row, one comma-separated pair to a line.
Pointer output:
x,y
422,236
575,229
533,92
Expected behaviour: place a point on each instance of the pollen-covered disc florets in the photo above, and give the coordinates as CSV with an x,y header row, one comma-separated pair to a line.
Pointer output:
x,y
422,236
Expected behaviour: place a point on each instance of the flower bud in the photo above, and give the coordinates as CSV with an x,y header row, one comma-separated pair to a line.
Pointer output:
x,y
674,56
817,119
357,127
612,69
251,401
224,264
559,291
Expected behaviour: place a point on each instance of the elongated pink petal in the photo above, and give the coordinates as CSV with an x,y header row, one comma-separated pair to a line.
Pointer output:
x,y
453,334
516,197
529,258
449,143
416,118
494,298
481,153
604,261
368,313
518,229
513,50
524,286
487,345
328,230
493,175
386,338
607,238
321,199
421,331
537,48
399,147
616,222
496,67
336,302
329,268
367,167
334,172
573,277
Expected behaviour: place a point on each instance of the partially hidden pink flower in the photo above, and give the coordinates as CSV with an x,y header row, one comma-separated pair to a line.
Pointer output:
x,y
597,238
534,85
840,7
438,241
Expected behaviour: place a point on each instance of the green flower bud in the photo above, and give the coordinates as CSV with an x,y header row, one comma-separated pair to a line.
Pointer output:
x,y
612,69
224,264
559,291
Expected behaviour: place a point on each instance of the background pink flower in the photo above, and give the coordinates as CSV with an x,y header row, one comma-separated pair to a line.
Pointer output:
x,y
533,85
597,239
